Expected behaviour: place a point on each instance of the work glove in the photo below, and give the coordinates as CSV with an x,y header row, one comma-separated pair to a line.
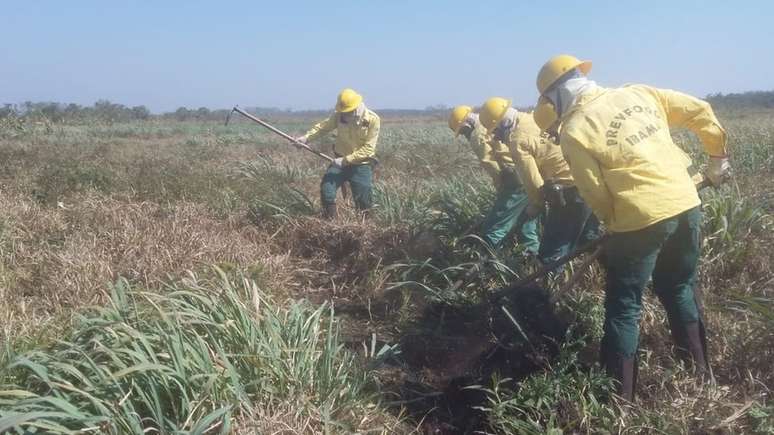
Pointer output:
x,y
303,139
719,168
338,162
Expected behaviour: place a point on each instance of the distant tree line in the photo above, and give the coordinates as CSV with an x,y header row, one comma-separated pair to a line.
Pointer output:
x,y
753,99
104,110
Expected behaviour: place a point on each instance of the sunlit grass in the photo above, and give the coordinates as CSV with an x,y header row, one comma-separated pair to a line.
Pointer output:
x,y
185,361
85,204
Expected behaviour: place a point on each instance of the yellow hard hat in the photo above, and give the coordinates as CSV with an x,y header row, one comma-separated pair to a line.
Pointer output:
x,y
493,111
556,67
348,101
457,118
544,114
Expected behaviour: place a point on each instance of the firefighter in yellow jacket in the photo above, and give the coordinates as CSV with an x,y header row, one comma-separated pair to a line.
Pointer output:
x,y
357,130
546,177
617,142
508,213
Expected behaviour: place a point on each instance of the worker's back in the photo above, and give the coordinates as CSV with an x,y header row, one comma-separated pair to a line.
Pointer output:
x,y
626,132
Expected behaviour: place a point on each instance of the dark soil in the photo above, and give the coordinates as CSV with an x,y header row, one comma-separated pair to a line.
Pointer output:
x,y
446,349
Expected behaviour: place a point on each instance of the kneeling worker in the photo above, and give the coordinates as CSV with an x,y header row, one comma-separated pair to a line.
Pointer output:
x,y
357,130
617,142
508,210
546,177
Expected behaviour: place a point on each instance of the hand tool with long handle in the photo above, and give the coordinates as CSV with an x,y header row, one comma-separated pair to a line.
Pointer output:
x,y
594,246
277,131
543,271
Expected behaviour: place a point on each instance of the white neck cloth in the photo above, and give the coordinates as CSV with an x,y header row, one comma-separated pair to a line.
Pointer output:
x,y
564,95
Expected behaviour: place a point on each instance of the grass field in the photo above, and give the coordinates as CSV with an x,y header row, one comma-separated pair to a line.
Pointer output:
x,y
174,277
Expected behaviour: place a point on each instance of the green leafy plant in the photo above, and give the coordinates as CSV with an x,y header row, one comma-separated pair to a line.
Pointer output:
x,y
185,361
565,398
729,222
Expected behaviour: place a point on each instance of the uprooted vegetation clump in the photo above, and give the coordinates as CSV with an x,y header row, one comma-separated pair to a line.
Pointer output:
x,y
417,344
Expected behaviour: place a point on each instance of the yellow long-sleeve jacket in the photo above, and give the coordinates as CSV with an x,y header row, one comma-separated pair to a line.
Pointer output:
x,y
623,159
537,157
355,141
492,154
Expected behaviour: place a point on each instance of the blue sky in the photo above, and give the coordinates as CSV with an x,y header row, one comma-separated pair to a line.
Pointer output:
x,y
398,54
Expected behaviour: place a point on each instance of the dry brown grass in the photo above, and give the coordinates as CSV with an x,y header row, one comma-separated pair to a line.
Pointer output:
x,y
343,255
284,419
57,259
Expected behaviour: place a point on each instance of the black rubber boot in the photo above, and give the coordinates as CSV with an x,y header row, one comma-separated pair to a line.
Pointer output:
x,y
697,346
691,345
624,370
330,212
628,378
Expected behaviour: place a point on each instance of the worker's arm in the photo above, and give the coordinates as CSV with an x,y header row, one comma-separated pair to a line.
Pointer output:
x,y
696,115
368,149
322,127
527,168
482,147
501,153
588,178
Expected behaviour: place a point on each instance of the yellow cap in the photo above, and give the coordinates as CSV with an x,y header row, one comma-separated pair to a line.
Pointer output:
x,y
348,101
457,118
544,114
556,67
493,111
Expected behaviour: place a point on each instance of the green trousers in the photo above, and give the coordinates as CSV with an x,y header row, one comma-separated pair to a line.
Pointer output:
x,y
567,227
507,214
360,179
667,251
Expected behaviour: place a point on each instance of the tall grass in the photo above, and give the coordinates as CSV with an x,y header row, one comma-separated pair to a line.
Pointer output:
x,y
275,186
730,221
187,361
179,195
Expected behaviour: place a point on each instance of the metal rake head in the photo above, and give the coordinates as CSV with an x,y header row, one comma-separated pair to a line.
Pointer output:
x,y
228,117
